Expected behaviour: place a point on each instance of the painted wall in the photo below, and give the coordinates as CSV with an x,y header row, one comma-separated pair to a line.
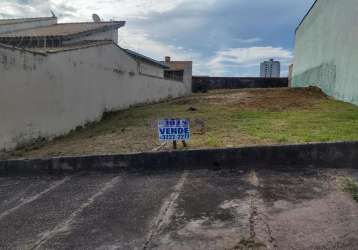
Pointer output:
x,y
46,96
326,50
150,69
188,76
27,25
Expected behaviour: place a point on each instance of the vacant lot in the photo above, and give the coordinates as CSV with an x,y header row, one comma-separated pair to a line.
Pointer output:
x,y
227,118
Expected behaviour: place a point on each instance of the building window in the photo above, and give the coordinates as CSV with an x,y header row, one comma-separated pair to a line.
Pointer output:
x,y
177,75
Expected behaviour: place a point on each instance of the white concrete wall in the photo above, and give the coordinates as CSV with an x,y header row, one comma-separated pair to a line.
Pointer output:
x,y
188,76
150,70
107,35
49,95
27,25
326,50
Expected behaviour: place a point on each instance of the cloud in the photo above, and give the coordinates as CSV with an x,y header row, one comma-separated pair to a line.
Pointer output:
x,y
248,40
13,9
241,58
218,35
138,40
250,55
83,9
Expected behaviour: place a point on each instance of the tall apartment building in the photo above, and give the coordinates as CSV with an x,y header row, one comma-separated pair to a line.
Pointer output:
x,y
270,69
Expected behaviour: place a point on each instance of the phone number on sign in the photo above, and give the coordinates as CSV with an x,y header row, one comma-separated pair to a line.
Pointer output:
x,y
174,137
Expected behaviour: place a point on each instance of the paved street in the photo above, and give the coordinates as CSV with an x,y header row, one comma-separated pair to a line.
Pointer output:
x,y
201,209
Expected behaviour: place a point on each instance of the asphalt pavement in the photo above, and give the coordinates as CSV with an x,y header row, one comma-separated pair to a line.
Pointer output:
x,y
298,208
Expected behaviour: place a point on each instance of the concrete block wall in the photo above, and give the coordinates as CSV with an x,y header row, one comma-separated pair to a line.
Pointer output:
x,y
47,95
203,82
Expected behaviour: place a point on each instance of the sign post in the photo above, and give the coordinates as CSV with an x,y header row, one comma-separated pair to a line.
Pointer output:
x,y
174,130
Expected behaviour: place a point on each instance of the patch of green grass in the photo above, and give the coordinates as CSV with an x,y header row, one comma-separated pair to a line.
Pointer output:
x,y
350,185
213,142
328,121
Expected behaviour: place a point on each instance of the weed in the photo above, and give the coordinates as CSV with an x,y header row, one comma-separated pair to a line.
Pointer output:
x,y
249,244
212,141
350,186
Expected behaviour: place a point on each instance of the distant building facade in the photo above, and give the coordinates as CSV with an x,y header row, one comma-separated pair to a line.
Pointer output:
x,y
270,69
326,49
178,70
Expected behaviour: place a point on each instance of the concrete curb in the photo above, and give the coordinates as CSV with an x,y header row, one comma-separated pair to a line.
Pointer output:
x,y
340,154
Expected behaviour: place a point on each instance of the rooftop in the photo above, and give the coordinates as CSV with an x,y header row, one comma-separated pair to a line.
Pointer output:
x,y
24,20
64,29
48,50
144,58
74,46
177,65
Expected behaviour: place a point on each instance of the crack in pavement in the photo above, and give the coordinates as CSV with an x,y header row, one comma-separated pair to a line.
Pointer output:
x,y
34,197
65,224
166,211
252,217
256,217
272,240
253,180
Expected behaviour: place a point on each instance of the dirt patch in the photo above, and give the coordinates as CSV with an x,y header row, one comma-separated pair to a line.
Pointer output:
x,y
268,99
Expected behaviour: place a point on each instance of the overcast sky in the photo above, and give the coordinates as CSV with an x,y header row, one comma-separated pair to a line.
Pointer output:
x,y
222,37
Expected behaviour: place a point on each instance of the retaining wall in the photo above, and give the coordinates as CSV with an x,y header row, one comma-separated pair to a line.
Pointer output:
x,y
337,155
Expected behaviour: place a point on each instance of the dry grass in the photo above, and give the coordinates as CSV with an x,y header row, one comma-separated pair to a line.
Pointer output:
x,y
227,118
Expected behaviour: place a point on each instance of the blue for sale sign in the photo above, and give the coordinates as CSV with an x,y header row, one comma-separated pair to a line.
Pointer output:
x,y
174,130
